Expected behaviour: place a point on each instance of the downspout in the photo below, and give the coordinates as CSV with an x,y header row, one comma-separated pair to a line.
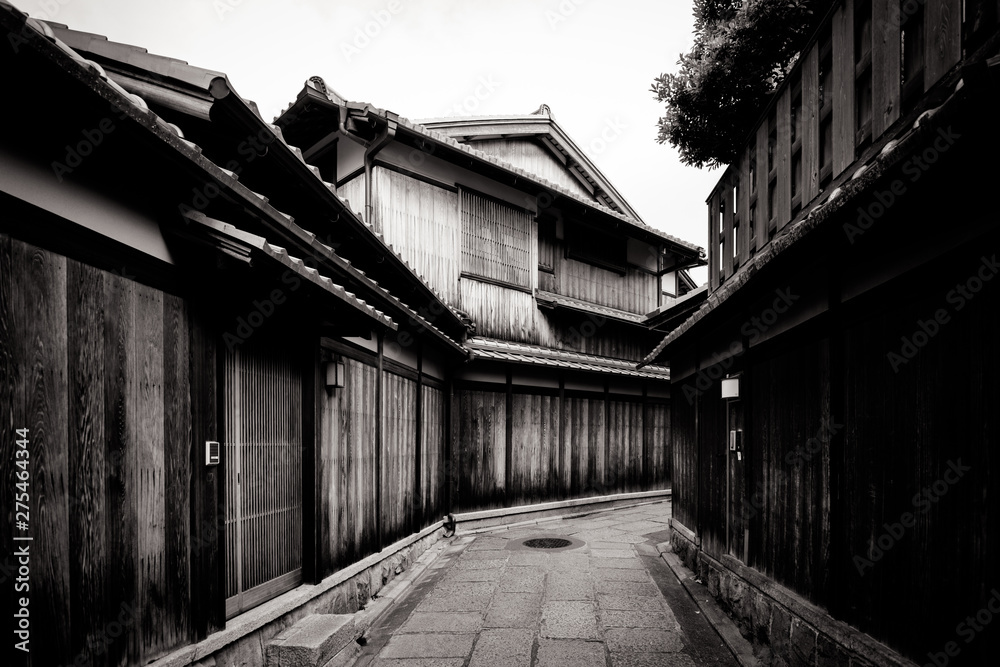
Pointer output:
x,y
388,134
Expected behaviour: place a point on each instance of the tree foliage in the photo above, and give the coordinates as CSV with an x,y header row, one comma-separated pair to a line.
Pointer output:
x,y
742,51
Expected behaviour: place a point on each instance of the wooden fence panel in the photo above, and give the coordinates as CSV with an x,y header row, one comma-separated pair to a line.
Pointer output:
x,y
481,450
810,125
399,428
885,66
432,474
843,87
783,159
942,38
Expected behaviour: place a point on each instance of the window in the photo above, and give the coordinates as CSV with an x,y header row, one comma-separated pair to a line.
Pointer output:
x,y
496,241
597,247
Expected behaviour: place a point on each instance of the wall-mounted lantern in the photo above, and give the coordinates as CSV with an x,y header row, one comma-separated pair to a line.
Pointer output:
x,y
731,386
335,371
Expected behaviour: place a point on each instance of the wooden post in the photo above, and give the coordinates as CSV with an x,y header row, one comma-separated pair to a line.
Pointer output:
x,y
379,414
508,439
312,465
417,518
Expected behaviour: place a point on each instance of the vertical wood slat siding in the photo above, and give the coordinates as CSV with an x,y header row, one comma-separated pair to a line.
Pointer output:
x,y
942,38
577,447
726,197
763,213
99,368
496,241
348,442
744,208
810,125
634,292
264,472
432,442
885,76
422,223
843,87
783,159
399,453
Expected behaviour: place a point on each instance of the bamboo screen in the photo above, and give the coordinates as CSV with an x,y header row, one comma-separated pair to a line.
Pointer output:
x,y
263,466
496,241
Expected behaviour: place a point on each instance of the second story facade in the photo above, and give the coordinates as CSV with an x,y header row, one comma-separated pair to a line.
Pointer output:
x,y
504,216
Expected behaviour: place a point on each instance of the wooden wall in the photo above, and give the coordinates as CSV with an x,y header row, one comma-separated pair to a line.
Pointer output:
x,y
942,34
423,224
840,445
530,446
107,375
371,498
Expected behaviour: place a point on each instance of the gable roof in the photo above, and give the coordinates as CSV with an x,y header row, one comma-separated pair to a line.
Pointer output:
x,y
541,126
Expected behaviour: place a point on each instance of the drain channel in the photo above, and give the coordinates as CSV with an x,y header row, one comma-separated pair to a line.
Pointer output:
x,y
547,543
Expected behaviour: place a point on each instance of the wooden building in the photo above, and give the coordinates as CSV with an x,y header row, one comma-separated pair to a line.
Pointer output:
x,y
241,401
559,279
834,416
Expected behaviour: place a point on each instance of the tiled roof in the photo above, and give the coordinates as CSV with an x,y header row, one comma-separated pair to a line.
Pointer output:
x,y
202,78
227,232
486,348
558,300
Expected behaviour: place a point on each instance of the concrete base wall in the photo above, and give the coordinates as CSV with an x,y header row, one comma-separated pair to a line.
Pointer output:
x,y
785,629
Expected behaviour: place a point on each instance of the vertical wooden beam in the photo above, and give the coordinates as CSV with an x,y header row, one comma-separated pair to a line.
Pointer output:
x,y
647,448
508,458
942,38
379,416
726,199
810,125
885,66
713,242
450,447
843,87
562,444
313,530
783,159
417,520
607,436
763,214
743,243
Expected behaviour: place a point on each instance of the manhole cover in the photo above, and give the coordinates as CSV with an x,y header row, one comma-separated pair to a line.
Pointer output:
x,y
547,543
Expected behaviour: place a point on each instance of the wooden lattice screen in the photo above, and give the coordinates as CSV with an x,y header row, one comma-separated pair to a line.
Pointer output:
x,y
496,241
263,464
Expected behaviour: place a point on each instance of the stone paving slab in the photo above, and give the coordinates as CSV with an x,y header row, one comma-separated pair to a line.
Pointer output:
x,y
522,580
491,554
570,653
443,621
514,610
431,645
612,553
619,574
503,648
569,620
418,662
651,660
568,586
641,640
622,602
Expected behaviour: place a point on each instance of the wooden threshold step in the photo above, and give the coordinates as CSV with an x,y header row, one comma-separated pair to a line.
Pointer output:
x,y
311,642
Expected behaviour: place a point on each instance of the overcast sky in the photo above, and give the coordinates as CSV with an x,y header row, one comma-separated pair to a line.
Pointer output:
x,y
591,61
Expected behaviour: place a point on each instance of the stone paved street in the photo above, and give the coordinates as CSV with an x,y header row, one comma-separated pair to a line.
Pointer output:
x,y
606,599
